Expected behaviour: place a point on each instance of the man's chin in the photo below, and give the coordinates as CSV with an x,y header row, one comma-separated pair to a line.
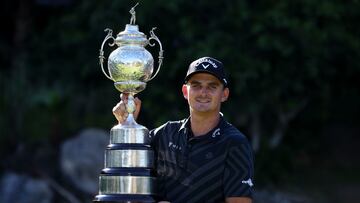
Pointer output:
x,y
202,109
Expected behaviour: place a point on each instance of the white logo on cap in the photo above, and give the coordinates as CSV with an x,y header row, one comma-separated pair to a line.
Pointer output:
x,y
206,60
205,67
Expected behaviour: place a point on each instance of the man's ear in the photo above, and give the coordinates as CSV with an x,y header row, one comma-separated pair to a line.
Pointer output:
x,y
226,93
185,91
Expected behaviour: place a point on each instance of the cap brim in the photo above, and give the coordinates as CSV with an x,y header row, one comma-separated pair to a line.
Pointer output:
x,y
202,71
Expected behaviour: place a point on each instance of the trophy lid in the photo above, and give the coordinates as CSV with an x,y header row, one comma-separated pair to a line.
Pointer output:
x,y
131,35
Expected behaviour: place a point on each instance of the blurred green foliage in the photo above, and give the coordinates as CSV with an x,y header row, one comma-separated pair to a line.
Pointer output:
x,y
279,55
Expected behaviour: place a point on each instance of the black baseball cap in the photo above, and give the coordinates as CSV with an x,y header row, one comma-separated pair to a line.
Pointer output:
x,y
207,65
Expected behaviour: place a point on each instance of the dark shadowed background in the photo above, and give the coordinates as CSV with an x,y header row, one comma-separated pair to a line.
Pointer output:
x,y
293,67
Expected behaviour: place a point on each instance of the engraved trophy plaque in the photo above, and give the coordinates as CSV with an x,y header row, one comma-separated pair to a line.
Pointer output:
x,y
128,175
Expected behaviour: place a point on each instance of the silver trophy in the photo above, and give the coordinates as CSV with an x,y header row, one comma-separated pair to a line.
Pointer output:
x,y
128,175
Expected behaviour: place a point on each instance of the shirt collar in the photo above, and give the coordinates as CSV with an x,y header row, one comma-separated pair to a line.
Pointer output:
x,y
214,133
185,124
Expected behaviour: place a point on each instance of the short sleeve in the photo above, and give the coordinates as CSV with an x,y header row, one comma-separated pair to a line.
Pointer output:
x,y
239,171
154,135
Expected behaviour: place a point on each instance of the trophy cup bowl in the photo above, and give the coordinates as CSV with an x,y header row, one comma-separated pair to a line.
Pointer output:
x,y
129,174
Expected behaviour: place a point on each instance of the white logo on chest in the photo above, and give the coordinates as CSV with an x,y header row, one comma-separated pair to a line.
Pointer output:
x,y
216,133
174,146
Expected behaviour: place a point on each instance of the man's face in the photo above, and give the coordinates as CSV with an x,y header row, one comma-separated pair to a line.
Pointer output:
x,y
205,93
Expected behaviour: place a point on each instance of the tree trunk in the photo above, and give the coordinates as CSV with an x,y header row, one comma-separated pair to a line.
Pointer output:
x,y
255,131
18,78
283,123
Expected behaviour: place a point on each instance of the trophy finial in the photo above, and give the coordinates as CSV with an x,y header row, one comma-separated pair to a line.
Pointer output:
x,y
133,13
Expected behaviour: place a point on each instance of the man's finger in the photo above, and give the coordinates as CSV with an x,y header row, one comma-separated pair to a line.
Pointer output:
x,y
124,97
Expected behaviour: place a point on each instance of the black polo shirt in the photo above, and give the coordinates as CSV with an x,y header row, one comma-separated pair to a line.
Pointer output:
x,y
205,168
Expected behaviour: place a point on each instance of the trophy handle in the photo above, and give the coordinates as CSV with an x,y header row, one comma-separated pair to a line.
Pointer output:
x,y
101,56
161,52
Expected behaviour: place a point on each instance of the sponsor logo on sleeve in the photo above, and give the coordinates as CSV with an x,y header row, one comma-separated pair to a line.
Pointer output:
x,y
248,181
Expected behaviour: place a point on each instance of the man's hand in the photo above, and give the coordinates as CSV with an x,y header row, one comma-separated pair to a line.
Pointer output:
x,y
120,111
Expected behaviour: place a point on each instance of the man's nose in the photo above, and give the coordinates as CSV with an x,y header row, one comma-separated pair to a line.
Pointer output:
x,y
204,90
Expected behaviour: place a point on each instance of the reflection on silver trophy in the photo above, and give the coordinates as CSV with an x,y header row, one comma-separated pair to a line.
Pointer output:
x,y
128,175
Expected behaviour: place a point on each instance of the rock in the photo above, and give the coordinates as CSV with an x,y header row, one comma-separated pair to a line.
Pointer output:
x,y
24,189
82,159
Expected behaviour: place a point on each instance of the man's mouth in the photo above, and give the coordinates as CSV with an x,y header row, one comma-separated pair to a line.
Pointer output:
x,y
203,101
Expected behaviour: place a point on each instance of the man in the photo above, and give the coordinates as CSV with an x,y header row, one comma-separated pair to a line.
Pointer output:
x,y
202,158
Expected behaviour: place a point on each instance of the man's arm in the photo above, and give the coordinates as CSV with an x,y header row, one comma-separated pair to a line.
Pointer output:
x,y
238,200
238,172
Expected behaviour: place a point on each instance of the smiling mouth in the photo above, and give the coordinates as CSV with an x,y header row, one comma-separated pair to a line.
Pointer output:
x,y
203,101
